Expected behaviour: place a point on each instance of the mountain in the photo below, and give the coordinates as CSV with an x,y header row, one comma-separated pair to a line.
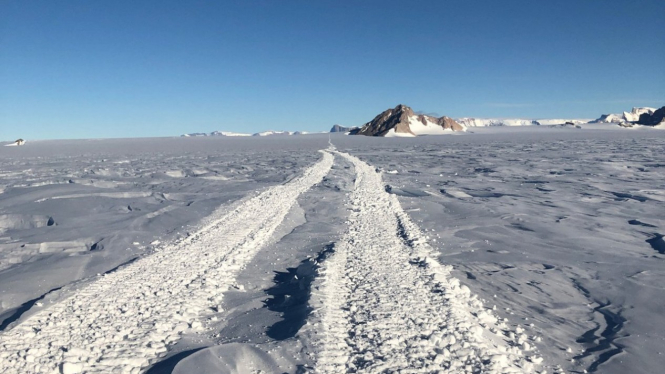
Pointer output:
x,y
632,116
402,121
656,118
263,133
339,128
18,142
273,133
215,133
486,122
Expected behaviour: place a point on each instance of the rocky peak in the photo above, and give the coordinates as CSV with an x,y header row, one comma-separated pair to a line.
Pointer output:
x,y
654,118
401,118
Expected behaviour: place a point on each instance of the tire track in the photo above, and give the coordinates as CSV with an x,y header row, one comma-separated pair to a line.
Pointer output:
x,y
124,321
383,304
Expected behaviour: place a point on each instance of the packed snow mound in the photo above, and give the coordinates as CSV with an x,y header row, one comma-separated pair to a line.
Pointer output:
x,y
401,121
216,133
632,116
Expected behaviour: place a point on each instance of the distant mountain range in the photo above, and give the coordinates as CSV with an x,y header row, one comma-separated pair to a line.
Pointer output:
x,y
486,122
228,133
632,116
402,121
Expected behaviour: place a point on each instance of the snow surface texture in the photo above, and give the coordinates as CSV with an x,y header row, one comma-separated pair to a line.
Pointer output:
x,y
561,230
386,305
126,319
558,231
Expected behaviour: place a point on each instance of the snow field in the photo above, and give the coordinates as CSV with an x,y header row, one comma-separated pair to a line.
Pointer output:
x,y
125,320
382,303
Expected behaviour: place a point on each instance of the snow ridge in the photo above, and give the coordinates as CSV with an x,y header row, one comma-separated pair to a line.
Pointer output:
x,y
384,304
124,321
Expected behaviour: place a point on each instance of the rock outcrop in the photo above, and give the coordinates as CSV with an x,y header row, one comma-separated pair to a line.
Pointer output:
x,y
402,121
655,118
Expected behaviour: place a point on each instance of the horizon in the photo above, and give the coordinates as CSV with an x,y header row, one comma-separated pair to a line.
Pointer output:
x,y
304,132
81,70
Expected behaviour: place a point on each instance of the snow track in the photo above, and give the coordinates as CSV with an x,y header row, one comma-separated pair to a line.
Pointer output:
x,y
125,320
383,304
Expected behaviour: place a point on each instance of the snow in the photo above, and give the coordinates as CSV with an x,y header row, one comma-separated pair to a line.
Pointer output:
x,y
385,303
122,320
485,122
393,134
216,133
631,116
428,128
271,133
503,249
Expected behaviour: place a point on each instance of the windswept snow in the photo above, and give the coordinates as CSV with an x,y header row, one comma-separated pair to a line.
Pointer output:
x,y
386,305
126,319
512,249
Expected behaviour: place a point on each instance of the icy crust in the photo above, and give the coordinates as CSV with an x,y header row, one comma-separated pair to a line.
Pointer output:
x,y
125,320
384,304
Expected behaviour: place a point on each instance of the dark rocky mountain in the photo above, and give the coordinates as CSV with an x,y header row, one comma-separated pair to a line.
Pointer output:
x,y
402,121
653,119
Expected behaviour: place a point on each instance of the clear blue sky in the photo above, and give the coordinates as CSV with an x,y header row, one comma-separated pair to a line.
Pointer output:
x,y
84,69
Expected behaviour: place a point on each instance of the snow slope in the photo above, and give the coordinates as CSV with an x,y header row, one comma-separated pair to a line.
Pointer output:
x,y
418,128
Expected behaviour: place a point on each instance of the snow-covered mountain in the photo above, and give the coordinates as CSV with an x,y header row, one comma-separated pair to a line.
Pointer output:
x,y
632,116
340,128
655,118
485,122
216,133
402,121
272,133
263,133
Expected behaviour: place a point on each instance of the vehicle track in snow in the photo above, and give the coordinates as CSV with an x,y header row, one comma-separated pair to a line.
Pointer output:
x,y
125,320
383,304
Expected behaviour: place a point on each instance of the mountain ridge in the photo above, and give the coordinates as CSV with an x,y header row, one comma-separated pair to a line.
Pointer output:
x,y
402,121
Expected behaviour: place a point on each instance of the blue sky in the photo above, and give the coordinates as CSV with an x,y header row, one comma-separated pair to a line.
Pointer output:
x,y
89,69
